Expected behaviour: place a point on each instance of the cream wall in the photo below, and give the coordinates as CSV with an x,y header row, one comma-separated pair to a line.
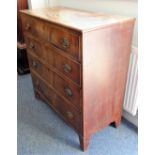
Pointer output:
x,y
120,7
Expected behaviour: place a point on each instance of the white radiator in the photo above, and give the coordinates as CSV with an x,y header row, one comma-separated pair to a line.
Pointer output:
x,y
130,104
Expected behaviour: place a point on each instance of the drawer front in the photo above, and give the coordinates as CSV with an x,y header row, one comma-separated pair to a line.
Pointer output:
x,y
65,40
38,67
65,110
40,86
35,47
68,112
35,27
67,89
69,68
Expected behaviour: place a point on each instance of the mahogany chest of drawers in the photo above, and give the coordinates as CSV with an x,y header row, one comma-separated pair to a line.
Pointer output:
x,y
79,63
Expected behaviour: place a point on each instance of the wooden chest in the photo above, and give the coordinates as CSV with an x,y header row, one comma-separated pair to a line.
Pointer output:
x,y
79,63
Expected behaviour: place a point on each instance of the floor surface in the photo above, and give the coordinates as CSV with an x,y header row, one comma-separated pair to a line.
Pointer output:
x,y
42,132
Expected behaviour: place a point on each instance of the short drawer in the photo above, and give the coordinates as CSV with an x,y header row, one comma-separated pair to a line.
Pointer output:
x,y
35,47
38,67
68,67
68,41
65,110
67,89
35,27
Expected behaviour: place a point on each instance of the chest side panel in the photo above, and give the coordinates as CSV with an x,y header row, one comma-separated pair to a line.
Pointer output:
x,y
106,55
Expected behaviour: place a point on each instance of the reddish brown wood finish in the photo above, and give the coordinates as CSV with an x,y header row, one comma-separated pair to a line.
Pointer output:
x,y
84,142
40,86
65,40
35,46
70,91
21,4
38,67
107,65
82,77
35,27
66,66
66,110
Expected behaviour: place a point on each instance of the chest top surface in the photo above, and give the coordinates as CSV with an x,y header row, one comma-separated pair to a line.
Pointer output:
x,y
76,19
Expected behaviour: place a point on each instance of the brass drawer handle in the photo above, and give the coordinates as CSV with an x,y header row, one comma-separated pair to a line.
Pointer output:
x,y
31,46
69,114
67,68
68,92
65,43
27,27
34,64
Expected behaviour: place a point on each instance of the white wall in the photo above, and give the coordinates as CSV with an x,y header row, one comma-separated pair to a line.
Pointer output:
x,y
34,4
52,2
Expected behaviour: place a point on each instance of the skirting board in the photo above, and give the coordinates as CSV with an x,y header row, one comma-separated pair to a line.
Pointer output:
x,y
131,118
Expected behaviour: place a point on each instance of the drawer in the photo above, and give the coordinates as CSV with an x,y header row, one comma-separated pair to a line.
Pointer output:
x,y
67,89
68,67
35,47
40,86
66,40
38,67
65,110
35,27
